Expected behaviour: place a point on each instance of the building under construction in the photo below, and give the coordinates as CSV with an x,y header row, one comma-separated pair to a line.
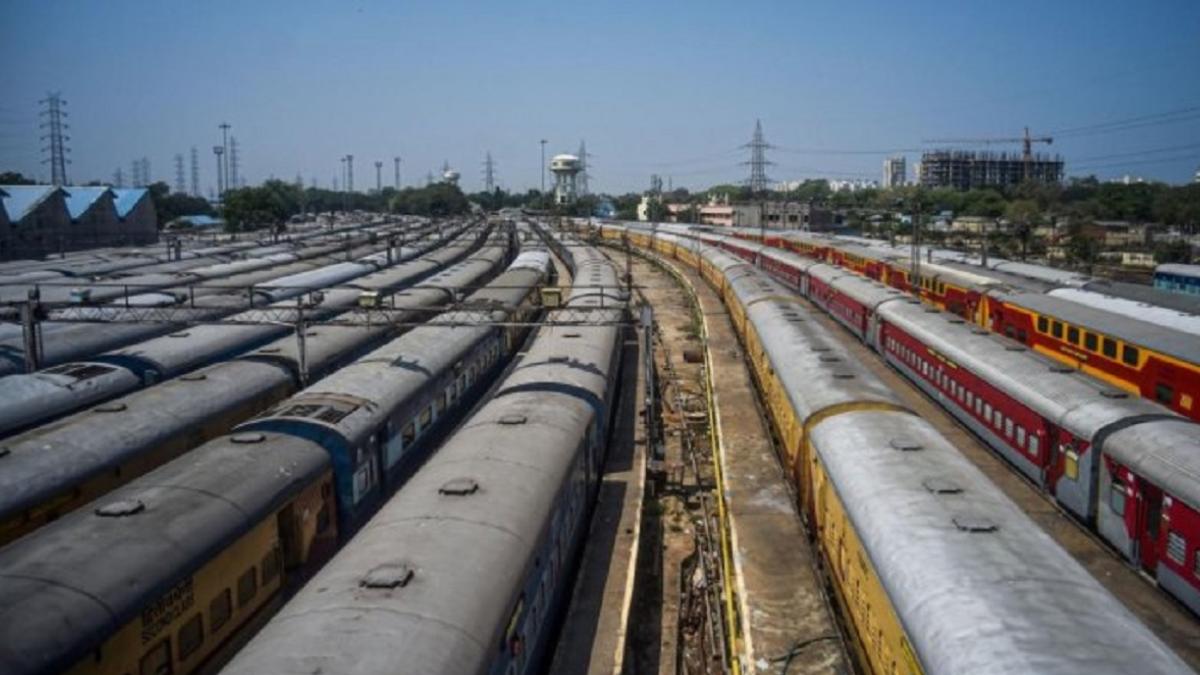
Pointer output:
x,y
965,170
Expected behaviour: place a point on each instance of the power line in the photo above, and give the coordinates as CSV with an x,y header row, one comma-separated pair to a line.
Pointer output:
x,y
1189,157
54,115
1138,153
1128,120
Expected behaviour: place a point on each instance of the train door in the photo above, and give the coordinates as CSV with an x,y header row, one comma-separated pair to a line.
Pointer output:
x,y
1150,516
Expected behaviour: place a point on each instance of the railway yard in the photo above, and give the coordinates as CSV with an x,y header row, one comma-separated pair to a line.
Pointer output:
x,y
515,444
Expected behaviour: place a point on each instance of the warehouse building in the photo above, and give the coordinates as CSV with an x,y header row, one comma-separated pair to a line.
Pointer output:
x,y
38,220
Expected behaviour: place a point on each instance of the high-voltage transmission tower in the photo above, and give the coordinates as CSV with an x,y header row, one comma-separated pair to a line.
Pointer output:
x,y
489,173
396,160
219,152
118,178
581,181
223,157
195,172
378,176
180,185
135,168
758,160
56,128
349,173
234,166
145,164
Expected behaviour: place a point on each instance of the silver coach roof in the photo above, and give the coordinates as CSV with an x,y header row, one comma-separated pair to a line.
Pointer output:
x,y
1061,394
1004,602
1166,340
1166,451
93,573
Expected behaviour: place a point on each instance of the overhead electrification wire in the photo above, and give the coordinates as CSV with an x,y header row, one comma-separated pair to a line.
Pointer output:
x,y
1137,153
1157,119
1190,157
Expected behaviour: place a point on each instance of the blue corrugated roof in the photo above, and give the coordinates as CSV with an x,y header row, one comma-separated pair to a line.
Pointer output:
x,y
19,200
201,221
127,198
80,199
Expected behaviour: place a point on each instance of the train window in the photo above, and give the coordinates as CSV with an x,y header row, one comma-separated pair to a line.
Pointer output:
x,y
157,661
408,435
1071,465
1116,498
1164,394
979,406
1110,348
1073,335
323,520
970,399
1043,324
426,417
1176,547
1196,563
451,393
440,404
1020,436
247,586
191,636
1033,445
1008,427
1090,341
996,420
270,566
987,412
1056,329
1131,355
219,610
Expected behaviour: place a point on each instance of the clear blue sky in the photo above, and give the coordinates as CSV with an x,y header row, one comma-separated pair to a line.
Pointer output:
x,y
669,88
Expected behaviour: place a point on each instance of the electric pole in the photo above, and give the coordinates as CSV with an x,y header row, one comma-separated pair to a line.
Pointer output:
x,y
219,150
234,181
350,173
225,127
180,186
378,176
195,172
489,173
56,135
396,160
543,142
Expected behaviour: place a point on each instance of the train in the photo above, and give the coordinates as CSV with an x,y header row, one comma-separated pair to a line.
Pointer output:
x,y
1178,278
198,551
56,468
934,568
467,567
1158,361
37,397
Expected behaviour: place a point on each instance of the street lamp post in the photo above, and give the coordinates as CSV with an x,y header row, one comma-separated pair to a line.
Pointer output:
x,y
543,143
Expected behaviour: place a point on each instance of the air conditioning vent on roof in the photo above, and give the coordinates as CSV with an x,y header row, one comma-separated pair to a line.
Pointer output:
x,y
123,507
460,487
941,486
905,445
387,576
969,523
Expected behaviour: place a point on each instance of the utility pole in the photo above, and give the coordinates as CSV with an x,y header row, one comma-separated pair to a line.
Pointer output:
x,y
118,178
582,181
195,172
758,160
543,142
234,167
56,134
342,160
489,173
349,173
146,180
225,127
378,176
916,244
180,186
219,150
396,161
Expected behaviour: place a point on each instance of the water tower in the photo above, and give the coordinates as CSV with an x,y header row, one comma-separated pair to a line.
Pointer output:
x,y
565,169
449,175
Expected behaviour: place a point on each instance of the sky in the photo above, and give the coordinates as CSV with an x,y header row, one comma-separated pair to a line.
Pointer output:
x,y
653,87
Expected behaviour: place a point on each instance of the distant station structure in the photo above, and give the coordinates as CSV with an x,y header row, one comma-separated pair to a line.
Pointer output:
x,y
42,219
566,169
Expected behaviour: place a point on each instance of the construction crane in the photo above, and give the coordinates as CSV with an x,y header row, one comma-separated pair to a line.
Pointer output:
x,y
1026,142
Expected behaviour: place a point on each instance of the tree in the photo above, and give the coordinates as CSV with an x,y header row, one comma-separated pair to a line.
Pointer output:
x,y
1178,251
1024,214
15,178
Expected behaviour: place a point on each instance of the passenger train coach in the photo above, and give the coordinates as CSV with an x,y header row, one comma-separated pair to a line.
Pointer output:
x,y
936,570
163,574
1154,361
1126,467
465,570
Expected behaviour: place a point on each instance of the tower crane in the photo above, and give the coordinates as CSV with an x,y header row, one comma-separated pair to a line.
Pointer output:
x,y
1026,142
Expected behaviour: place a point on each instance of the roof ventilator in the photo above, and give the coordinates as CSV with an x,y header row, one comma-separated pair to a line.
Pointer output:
x,y
459,487
123,507
247,438
941,486
110,407
387,576
512,420
905,445
968,523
